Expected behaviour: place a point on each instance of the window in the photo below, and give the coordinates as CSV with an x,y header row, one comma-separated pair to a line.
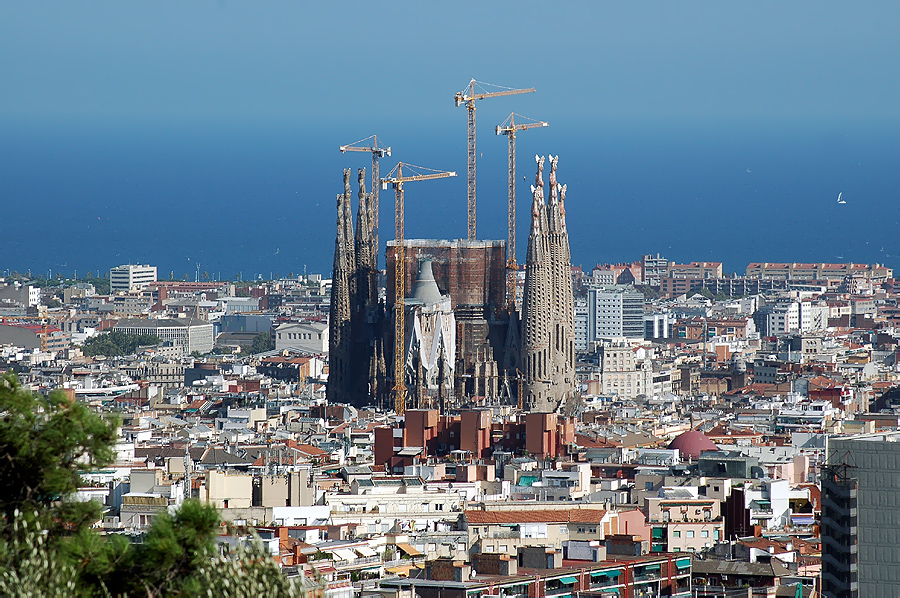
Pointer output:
x,y
704,534
690,533
580,530
438,507
676,534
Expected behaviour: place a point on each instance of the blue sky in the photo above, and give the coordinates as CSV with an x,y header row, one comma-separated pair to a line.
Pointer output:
x,y
312,60
183,116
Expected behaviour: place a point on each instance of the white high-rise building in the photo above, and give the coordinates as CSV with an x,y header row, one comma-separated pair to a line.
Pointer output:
x,y
581,325
614,311
129,276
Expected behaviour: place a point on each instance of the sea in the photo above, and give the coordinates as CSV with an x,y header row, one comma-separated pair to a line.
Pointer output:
x,y
246,199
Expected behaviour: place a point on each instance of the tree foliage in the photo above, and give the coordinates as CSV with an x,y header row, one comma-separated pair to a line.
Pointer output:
x,y
101,285
47,443
262,342
47,546
115,343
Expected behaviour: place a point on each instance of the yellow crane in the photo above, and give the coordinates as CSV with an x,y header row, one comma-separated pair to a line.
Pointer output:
x,y
468,96
377,152
396,179
509,127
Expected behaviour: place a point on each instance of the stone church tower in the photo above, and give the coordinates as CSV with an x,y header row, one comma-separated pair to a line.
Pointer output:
x,y
356,371
548,313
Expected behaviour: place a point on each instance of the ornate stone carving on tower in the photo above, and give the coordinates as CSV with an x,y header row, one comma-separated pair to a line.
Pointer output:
x,y
356,365
431,343
340,338
548,318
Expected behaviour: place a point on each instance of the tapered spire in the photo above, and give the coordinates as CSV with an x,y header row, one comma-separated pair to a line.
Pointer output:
x,y
353,366
548,305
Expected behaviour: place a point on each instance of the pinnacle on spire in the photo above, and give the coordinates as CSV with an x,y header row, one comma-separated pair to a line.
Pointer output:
x,y
538,208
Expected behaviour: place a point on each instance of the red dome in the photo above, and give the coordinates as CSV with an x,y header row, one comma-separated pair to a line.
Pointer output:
x,y
691,443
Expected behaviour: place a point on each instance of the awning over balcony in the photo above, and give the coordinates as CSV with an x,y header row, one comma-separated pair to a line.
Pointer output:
x,y
344,554
409,550
683,563
568,580
609,574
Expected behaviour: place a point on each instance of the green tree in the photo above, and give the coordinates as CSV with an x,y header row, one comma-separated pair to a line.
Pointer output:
x,y
46,444
262,342
117,343
47,547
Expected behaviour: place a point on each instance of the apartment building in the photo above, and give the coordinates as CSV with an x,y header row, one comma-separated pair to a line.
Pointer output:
x,y
821,271
624,373
683,521
860,516
505,531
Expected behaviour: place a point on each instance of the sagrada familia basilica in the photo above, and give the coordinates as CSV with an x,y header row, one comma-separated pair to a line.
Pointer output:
x,y
465,344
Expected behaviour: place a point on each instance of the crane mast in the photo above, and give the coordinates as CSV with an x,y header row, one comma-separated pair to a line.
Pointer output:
x,y
377,152
509,128
396,182
468,96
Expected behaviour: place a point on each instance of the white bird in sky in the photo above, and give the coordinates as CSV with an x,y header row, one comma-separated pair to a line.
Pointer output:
x,y
840,200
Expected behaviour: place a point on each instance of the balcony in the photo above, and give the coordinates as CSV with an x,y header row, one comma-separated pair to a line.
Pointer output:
x,y
504,535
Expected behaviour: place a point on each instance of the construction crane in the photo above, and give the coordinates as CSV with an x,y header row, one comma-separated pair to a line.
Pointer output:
x,y
396,179
377,152
509,127
468,96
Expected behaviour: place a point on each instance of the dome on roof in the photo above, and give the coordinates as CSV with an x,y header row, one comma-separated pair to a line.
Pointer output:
x,y
426,289
691,443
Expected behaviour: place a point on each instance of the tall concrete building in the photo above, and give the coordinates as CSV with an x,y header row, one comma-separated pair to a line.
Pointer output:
x,y
861,516
130,276
548,306
615,311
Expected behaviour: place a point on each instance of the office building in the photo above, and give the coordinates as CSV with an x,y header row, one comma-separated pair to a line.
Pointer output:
x,y
614,311
189,334
127,277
